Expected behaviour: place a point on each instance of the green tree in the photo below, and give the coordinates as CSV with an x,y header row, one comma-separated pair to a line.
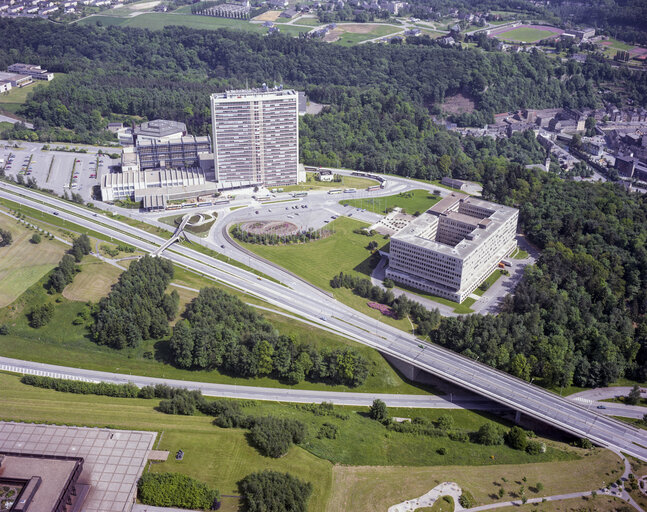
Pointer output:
x,y
516,438
634,395
519,367
41,315
489,434
6,238
270,491
35,238
378,410
263,353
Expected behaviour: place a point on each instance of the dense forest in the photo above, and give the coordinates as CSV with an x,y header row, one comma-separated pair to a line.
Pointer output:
x,y
220,331
137,308
381,95
578,316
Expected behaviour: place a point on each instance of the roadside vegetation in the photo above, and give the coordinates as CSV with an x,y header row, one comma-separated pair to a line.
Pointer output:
x,y
361,446
412,202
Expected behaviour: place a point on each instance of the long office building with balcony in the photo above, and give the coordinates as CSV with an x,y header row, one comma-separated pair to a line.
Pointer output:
x,y
255,137
453,247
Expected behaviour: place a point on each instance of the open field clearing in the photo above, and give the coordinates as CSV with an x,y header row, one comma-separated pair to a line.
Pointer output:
x,y
22,263
14,99
93,282
353,33
267,16
366,489
346,182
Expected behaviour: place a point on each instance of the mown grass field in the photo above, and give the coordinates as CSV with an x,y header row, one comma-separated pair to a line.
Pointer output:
x,y
63,343
93,282
346,182
366,489
525,35
387,460
219,457
584,504
352,34
413,201
22,263
159,20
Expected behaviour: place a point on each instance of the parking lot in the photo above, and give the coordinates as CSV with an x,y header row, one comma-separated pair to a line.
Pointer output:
x,y
59,171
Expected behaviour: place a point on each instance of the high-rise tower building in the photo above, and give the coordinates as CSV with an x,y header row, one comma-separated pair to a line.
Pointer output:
x,y
255,137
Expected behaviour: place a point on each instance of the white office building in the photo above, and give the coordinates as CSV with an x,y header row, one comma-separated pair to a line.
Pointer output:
x,y
255,137
453,247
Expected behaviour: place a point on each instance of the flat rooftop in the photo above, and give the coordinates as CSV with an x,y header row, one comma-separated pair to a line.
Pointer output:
x,y
55,476
461,208
250,93
160,128
113,459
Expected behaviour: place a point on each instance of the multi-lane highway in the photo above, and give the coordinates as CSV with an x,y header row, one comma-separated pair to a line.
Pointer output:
x,y
306,301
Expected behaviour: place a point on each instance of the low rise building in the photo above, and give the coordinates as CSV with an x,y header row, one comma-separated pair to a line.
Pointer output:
x,y
453,247
35,72
15,79
159,131
174,153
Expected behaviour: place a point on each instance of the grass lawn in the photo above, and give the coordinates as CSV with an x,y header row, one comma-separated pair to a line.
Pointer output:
x,y
525,35
346,182
93,282
63,343
365,489
520,254
585,503
492,278
201,230
219,457
311,22
462,309
22,263
413,201
158,20
349,37
320,260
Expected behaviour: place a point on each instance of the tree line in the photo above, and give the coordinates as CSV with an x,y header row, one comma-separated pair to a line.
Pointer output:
x,y
221,332
274,239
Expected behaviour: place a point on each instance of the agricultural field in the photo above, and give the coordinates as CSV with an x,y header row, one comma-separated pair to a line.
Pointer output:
x,y
267,16
22,263
414,201
374,467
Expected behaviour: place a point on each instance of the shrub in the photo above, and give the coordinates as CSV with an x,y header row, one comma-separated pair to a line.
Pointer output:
x,y
270,491
328,431
4,330
535,447
175,490
489,435
516,438
35,238
466,499
274,436
41,315
5,237
378,410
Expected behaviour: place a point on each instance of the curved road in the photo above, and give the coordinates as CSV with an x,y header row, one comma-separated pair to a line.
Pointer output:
x,y
314,305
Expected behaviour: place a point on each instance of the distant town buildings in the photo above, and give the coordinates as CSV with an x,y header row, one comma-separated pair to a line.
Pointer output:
x,y
453,247
255,136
